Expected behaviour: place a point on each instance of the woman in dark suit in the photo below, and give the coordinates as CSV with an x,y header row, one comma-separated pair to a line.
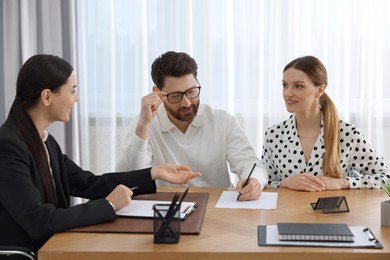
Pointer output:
x,y
37,180
313,150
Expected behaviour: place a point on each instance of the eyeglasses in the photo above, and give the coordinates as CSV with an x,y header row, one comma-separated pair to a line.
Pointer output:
x,y
176,97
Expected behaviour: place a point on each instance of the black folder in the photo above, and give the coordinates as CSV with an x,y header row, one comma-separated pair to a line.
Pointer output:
x,y
364,238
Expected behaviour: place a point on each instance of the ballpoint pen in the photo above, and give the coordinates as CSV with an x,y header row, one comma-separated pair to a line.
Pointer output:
x,y
134,188
171,213
247,180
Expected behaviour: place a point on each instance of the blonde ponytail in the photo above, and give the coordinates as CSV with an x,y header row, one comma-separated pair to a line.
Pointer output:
x,y
331,161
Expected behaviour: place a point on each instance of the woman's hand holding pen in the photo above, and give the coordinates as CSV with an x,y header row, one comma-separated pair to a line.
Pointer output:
x,y
251,191
172,173
120,197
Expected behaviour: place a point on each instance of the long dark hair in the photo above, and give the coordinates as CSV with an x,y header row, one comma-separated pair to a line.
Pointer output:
x,y
316,71
39,72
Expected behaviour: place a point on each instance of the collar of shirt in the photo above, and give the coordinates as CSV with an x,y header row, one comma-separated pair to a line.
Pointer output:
x,y
45,135
44,138
167,125
291,125
291,135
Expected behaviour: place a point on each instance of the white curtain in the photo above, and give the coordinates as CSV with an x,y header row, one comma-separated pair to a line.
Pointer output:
x,y
30,27
241,48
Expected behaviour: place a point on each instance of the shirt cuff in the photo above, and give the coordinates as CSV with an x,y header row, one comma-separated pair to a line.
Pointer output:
x,y
354,183
137,144
261,175
112,205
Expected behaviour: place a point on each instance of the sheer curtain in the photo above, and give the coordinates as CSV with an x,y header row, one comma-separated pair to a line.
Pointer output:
x,y
30,27
241,48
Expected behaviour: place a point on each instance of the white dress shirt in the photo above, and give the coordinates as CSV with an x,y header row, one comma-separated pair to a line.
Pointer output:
x,y
213,139
283,156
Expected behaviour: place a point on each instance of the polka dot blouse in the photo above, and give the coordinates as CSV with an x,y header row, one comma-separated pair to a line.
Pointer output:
x,y
283,156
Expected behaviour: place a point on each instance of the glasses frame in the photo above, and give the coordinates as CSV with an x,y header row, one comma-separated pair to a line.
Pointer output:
x,y
183,93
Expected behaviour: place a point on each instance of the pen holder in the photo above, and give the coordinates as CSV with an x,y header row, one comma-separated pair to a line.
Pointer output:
x,y
166,224
385,213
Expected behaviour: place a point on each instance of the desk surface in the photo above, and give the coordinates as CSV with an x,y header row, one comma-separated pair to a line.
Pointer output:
x,y
232,233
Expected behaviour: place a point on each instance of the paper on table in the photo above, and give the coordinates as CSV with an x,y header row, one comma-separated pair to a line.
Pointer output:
x,y
144,208
228,199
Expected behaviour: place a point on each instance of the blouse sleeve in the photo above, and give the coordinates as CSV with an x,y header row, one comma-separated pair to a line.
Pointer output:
x,y
365,168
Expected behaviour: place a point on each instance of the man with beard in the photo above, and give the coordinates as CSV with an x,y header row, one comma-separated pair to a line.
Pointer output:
x,y
183,131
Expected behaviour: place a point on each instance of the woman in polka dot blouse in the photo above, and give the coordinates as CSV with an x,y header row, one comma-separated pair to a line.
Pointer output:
x,y
313,150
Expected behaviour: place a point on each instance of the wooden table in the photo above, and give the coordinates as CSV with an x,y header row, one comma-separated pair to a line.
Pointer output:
x,y
232,233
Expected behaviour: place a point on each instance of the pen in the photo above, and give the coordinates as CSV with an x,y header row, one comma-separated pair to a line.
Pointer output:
x,y
134,188
171,213
247,180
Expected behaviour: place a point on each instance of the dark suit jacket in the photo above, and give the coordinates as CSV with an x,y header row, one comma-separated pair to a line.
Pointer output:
x,y
26,219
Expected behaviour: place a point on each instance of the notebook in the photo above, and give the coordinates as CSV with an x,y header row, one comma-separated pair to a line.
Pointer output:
x,y
315,232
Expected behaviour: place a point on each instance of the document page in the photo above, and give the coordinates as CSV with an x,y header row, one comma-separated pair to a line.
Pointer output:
x,y
228,199
144,208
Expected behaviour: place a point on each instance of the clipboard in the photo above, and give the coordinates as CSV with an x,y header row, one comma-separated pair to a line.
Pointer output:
x,y
192,225
144,209
364,238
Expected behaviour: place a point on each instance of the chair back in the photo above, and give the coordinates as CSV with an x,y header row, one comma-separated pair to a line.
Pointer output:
x,y
16,253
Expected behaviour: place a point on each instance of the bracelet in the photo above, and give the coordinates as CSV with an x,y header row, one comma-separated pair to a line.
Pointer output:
x,y
112,205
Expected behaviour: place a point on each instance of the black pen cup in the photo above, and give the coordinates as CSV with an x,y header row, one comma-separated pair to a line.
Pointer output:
x,y
166,224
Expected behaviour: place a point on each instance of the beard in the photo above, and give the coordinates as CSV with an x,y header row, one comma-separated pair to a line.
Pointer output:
x,y
183,114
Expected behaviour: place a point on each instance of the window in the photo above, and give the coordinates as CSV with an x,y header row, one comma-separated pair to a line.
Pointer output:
x,y
241,48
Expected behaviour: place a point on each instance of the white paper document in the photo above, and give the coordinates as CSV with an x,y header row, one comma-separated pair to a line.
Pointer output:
x,y
144,208
228,199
